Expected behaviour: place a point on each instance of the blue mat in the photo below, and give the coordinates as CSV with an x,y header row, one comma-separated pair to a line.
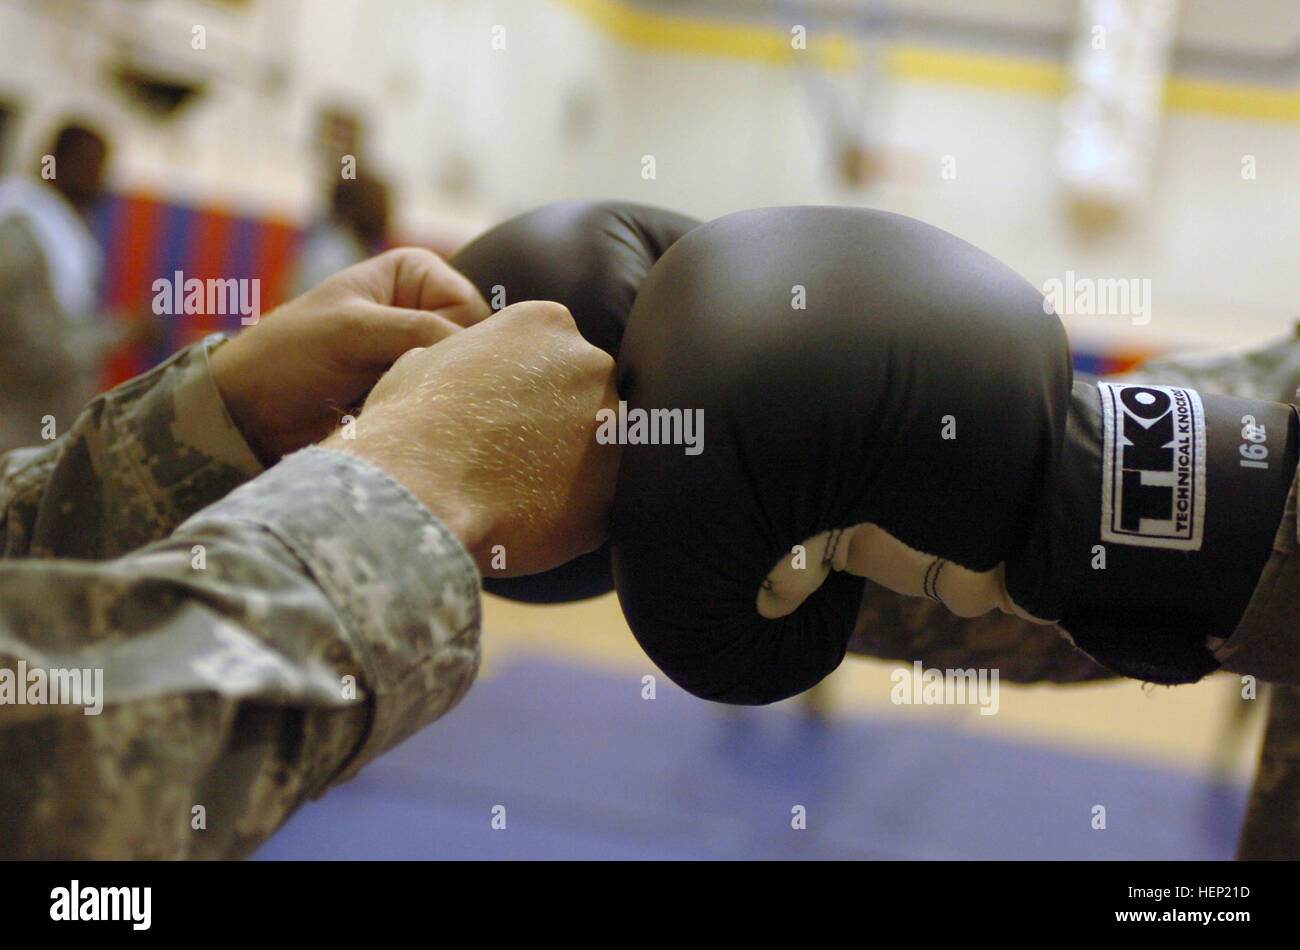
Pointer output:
x,y
586,768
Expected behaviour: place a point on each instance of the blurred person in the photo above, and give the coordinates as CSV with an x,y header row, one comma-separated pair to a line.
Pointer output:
x,y
50,267
356,228
264,626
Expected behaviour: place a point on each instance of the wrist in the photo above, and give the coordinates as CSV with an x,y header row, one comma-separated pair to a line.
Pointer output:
x,y
223,361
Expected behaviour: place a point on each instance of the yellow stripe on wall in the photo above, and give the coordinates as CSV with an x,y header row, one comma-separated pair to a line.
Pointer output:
x,y
705,37
1236,99
665,32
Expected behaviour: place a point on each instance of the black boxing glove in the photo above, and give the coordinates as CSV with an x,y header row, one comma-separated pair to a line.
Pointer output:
x,y
590,256
881,399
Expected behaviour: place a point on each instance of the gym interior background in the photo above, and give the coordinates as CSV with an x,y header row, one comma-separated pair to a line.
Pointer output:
x,y
1159,155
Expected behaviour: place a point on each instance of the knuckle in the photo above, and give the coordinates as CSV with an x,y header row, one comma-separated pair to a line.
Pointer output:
x,y
599,361
405,362
553,313
410,254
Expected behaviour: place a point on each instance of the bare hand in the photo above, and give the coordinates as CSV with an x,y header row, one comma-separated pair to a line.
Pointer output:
x,y
289,378
494,429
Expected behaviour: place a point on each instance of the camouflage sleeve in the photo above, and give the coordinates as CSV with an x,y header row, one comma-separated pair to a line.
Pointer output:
x,y
182,700
1266,371
137,462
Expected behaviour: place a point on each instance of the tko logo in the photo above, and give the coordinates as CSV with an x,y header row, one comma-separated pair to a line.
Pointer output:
x,y
1153,466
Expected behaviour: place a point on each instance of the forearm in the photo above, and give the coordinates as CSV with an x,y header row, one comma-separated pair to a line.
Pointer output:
x,y
273,645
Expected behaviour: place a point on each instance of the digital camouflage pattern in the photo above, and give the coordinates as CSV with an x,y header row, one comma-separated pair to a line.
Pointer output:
x,y
893,627
905,629
262,638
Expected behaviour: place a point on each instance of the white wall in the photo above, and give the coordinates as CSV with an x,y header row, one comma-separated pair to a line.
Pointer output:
x,y
726,134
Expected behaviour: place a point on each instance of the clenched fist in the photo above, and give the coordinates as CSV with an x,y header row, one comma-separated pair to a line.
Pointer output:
x,y
288,379
494,429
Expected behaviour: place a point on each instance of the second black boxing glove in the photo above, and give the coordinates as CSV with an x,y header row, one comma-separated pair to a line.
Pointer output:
x,y
881,399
